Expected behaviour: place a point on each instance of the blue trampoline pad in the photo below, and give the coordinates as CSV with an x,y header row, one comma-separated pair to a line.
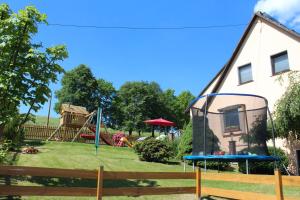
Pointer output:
x,y
231,158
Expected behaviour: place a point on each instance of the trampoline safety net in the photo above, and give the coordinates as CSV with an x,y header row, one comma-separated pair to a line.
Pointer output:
x,y
230,124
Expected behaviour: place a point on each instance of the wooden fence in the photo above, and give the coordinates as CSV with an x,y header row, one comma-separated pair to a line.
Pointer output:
x,y
40,132
277,180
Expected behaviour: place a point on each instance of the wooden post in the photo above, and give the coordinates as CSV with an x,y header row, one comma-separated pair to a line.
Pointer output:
x,y
49,109
278,185
100,183
198,183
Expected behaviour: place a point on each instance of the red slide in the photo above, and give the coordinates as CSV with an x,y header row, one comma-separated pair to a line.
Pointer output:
x,y
103,136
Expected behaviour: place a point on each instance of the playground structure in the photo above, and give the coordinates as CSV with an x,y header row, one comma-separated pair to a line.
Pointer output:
x,y
72,116
230,127
79,119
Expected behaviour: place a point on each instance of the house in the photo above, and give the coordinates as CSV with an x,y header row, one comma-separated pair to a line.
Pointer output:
x,y
72,116
266,51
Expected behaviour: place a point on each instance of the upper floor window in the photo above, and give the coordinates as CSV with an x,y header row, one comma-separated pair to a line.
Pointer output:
x,y
245,74
280,63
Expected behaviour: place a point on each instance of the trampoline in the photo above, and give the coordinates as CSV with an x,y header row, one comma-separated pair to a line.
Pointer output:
x,y
231,127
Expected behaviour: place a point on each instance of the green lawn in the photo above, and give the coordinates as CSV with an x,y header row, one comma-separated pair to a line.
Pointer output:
x,y
82,156
42,120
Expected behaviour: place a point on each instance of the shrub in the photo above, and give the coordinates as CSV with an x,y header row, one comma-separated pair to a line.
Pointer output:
x,y
152,150
13,133
266,167
4,148
185,144
215,165
174,146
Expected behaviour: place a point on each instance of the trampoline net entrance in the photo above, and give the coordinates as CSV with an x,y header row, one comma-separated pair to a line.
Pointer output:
x,y
230,124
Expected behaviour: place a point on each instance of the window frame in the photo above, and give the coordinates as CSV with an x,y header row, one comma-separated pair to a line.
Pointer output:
x,y
231,129
239,73
272,57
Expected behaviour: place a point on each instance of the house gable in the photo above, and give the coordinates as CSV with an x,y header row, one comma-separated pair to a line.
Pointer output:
x,y
263,38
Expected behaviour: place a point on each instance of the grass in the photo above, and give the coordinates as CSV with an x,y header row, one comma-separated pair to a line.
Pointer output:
x,y
42,120
82,156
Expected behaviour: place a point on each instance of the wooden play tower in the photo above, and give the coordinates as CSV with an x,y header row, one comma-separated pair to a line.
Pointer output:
x,y
73,117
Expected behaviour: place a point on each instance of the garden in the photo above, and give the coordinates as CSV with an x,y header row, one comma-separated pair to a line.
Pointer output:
x,y
133,144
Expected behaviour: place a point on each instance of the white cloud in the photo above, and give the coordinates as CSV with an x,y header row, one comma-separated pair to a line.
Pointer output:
x,y
286,11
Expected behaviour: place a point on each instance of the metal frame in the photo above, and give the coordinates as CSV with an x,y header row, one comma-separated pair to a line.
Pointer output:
x,y
233,94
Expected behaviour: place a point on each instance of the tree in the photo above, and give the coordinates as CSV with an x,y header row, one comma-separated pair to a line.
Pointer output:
x,y
80,88
27,68
107,94
182,102
169,109
287,112
287,118
136,102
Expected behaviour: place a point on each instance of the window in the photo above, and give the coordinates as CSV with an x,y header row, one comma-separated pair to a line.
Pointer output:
x,y
231,120
245,74
280,63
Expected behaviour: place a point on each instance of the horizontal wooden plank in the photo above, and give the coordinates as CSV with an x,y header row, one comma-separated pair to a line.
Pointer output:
x,y
236,194
46,191
140,191
78,191
242,178
90,174
47,172
114,175
291,180
132,191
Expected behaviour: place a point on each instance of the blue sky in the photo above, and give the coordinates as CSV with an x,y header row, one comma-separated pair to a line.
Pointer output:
x,y
179,59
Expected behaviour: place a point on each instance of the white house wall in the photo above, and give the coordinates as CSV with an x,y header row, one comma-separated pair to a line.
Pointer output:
x,y
263,41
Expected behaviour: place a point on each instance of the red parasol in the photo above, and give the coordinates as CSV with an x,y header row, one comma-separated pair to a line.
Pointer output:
x,y
159,122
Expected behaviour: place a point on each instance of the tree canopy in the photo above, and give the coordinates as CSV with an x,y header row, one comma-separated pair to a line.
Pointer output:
x,y
81,88
27,68
136,102
287,113
126,108
182,102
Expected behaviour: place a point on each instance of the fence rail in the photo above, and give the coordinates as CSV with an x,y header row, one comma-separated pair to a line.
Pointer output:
x,y
40,132
99,175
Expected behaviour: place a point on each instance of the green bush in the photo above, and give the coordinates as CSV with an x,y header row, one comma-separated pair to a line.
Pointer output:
x,y
14,134
4,148
215,165
152,150
266,167
174,146
185,144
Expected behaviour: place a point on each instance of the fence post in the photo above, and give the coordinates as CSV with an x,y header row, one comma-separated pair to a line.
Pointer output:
x,y
278,185
198,183
100,183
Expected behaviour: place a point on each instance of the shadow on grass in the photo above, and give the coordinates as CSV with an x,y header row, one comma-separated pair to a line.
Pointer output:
x,y
35,143
172,163
73,182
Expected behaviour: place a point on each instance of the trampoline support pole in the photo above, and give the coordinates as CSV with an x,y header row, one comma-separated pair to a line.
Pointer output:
x,y
193,165
184,166
205,165
247,167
